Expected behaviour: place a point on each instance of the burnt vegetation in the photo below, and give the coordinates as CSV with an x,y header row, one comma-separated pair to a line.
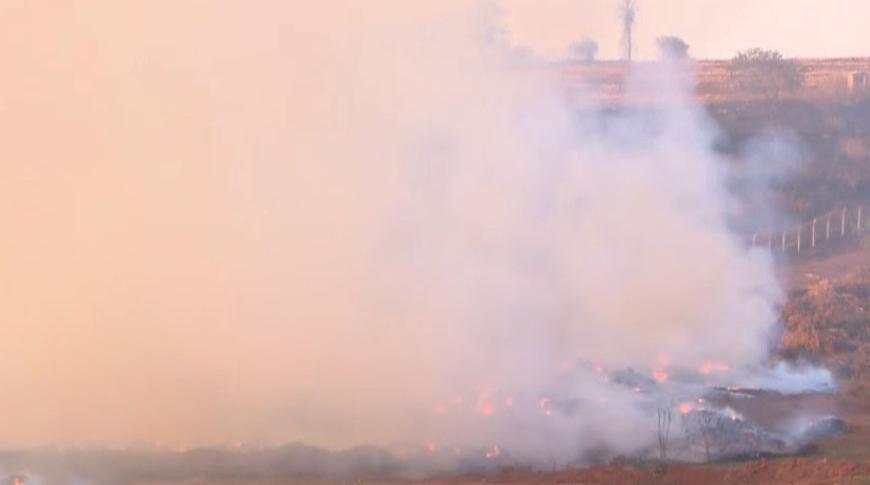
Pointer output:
x,y
830,324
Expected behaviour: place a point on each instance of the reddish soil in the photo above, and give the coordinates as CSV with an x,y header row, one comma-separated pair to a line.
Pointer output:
x,y
800,274
797,471
794,471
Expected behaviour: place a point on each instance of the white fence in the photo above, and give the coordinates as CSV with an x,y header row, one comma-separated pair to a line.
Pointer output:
x,y
829,229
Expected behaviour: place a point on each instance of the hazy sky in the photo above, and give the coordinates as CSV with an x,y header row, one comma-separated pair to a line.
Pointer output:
x,y
714,28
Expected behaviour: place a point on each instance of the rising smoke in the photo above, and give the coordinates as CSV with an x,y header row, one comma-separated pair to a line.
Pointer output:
x,y
369,226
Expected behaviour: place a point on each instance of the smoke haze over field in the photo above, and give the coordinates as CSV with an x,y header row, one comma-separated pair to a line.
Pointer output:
x,y
254,228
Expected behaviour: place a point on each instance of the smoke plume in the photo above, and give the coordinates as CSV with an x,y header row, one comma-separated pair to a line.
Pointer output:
x,y
347,224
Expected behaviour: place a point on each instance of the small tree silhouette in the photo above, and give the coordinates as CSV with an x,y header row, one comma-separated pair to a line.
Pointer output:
x,y
708,428
672,47
584,50
664,431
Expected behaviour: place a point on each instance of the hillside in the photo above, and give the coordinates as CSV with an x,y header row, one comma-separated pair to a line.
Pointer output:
x,y
826,123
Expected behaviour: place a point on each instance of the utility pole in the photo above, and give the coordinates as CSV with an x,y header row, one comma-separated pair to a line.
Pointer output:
x,y
627,12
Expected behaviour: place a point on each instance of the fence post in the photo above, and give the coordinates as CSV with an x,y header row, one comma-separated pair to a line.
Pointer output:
x,y
858,225
843,224
783,241
813,237
799,239
828,229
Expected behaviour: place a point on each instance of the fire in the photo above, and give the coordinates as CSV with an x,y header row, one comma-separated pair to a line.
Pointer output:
x,y
486,409
660,376
483,402
493,453
544,404
685,408
711,366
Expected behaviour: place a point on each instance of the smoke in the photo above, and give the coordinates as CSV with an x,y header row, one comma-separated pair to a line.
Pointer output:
x,y
349,224
550,237
765,162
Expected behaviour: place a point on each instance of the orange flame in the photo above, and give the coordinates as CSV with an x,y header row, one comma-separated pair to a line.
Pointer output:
x,y
711,366
483,403
493,453
685,408
486,409
660,376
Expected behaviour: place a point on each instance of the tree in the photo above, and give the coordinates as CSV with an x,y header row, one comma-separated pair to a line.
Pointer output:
x,y
663,430
707,428
584,50
672,47
627,13
766,72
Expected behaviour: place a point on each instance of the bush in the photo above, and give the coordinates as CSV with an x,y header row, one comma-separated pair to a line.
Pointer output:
x,y
671,47
766,72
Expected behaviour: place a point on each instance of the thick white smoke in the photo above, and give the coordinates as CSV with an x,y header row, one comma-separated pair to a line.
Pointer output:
x,y
351,224
513,244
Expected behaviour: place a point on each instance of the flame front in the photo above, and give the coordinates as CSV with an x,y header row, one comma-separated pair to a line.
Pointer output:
x,y
711,366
